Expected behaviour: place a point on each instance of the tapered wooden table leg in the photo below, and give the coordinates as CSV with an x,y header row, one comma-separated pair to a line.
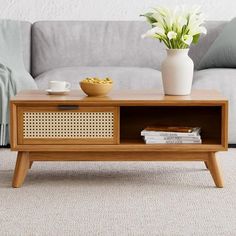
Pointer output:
x,y
22,166
215,170
30,164
206,164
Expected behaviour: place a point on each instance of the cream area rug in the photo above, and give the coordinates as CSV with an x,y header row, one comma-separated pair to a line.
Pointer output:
x,y
118,198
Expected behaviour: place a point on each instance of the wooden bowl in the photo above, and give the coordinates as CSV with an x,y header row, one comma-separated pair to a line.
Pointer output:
x,y
95,90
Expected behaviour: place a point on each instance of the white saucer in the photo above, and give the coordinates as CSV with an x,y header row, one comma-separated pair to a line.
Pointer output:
x,y
54,92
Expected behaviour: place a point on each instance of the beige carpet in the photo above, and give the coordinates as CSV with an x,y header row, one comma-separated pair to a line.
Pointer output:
x,y
131,198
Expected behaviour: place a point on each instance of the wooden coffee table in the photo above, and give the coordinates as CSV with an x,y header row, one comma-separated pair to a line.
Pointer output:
x,y
79,128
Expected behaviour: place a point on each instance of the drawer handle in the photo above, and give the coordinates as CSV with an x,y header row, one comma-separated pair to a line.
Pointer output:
x,y
68,107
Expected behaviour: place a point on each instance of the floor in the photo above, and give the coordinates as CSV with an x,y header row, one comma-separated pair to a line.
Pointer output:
x,y
114,198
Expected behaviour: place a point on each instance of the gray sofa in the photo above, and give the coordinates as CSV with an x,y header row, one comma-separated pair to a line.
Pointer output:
x,y
73,50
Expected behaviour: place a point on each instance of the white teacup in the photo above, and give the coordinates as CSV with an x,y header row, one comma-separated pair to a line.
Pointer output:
x,y
59,85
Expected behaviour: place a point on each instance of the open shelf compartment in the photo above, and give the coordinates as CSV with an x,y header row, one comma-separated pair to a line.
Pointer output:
x,y
133,119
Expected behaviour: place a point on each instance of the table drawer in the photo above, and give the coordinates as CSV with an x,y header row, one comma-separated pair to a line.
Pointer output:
x,y
68,124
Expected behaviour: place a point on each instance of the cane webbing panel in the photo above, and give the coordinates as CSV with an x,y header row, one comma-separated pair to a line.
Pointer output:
x,y
68,125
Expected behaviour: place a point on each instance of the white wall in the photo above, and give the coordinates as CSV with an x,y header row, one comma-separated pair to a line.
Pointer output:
x,y
34,10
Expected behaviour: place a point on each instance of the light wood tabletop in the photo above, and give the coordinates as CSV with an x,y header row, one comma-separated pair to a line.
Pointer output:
x,y
120,97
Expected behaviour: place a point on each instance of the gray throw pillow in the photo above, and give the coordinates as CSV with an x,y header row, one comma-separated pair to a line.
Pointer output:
x,y
222,53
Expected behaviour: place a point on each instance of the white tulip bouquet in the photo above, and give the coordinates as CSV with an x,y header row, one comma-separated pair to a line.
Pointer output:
x,y
177,28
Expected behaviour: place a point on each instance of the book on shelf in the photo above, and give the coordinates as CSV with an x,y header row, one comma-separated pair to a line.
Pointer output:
x,y
163,138
171,135
171,131
152,141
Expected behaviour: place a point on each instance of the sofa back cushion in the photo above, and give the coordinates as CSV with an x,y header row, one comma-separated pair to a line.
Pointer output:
x,y
214,28
58,44
92,43
26,43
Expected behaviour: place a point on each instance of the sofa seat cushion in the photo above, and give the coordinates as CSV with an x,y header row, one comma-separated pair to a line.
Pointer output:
x,y
123,77
223,80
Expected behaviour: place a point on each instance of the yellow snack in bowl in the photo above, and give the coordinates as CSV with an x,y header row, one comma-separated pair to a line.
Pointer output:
x,y
95,80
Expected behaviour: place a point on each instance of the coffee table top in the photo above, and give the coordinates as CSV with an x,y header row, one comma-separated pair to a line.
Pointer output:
x,y
123,97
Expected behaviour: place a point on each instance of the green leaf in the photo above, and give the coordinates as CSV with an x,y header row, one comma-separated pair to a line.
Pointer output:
x,y
149,17
196,38
147,14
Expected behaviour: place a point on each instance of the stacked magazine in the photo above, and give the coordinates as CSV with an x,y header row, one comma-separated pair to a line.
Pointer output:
x,y
171,135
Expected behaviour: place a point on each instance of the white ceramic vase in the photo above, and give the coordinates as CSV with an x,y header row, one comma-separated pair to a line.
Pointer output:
x,y
177,72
